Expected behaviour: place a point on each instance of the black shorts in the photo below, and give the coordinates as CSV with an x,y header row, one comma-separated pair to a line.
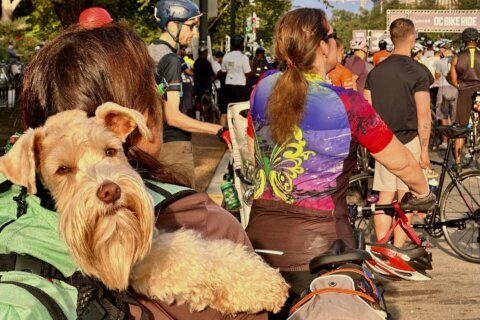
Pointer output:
x,y
465,104
233,93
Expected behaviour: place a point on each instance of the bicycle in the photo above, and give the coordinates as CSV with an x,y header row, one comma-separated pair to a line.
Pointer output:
x,y
472,142
456,215
388,261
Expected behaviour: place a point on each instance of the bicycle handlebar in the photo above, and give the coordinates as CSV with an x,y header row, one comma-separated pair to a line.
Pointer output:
x,y
388,208
242,177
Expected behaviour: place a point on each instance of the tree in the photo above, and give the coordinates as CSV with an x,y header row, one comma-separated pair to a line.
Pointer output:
x,y
8,7
68,11
467,4
268,12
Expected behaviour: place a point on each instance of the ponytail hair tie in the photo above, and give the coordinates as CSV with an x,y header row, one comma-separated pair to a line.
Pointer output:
x,y
291,64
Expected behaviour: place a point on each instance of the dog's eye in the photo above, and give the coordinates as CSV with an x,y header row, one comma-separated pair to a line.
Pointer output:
x,y
111,152
63,170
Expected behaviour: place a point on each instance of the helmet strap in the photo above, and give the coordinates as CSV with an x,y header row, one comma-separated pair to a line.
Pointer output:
x,y
177,37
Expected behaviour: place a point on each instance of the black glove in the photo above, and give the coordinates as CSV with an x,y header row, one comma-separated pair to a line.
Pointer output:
x,y
420,204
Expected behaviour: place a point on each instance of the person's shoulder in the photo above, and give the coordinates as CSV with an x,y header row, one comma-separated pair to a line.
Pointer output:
x,y
170,59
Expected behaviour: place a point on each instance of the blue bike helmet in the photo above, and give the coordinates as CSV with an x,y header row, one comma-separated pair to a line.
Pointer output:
x,y
175,10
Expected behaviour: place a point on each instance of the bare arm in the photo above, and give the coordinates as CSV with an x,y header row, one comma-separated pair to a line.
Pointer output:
x,y
176,119
422,101
453,79
367,94
400,161
354,79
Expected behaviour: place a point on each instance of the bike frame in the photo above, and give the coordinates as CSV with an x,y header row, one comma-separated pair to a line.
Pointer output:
x,y
460,187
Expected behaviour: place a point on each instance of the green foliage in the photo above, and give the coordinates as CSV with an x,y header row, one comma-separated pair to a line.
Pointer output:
x,y
16,31
44,22
268,12
467,4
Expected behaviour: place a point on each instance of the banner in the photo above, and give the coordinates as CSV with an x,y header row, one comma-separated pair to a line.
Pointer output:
x,y
375,37
454,21
359,34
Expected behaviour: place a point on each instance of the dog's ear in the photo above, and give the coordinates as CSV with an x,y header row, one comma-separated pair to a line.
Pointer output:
x,y
19,164
122,121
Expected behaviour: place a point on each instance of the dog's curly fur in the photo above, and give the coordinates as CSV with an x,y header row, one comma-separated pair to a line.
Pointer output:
x,y
116,241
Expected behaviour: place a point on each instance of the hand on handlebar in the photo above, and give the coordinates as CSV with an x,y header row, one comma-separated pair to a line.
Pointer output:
x,y
423,204
224,135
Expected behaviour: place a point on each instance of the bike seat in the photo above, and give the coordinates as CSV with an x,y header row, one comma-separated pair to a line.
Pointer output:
x,y
455,131
338,254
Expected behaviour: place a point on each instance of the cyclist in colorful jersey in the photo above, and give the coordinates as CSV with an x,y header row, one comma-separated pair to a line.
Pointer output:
x,y
465,75
306,133
340,76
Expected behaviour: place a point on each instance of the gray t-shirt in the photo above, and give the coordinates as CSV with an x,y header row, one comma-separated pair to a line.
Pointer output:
x,y
442,66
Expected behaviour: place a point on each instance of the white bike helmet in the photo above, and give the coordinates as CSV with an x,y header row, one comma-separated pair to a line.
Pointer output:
x,y
417,48
395,263
358,44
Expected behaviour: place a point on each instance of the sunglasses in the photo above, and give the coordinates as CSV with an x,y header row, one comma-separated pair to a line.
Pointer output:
x,y
332,35
191,26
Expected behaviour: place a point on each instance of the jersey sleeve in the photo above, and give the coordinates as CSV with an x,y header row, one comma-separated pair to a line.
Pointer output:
x,y
249,124
366,125
170,68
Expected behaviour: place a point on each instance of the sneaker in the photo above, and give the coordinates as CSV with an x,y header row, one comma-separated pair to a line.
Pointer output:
x,y
442,146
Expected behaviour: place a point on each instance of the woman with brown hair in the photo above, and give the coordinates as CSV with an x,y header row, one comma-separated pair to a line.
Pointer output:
x,y
306,132
85,67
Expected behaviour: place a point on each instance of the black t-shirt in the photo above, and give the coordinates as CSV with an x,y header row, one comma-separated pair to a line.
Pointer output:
x,y
169,68
203,71
393,84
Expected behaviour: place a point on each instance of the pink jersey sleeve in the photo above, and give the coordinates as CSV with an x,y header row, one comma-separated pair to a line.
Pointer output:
x,y
366,125
250,124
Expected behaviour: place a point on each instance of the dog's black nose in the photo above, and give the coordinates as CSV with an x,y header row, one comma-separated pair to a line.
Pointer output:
x,y
109,192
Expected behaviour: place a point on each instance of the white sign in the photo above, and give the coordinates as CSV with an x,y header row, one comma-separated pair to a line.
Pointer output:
x,y
438,20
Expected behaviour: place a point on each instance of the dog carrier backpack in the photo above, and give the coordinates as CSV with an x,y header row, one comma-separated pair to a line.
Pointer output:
x,y
347,292
38,278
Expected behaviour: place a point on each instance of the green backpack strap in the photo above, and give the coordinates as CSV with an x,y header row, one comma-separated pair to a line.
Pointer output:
x,y
165,194
48,302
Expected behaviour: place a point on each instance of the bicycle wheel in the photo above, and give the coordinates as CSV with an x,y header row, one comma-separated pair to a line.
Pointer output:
x,y
460,216
358,192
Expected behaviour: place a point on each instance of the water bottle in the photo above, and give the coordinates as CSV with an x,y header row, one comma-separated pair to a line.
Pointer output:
x,y
433,185
476,104
230,195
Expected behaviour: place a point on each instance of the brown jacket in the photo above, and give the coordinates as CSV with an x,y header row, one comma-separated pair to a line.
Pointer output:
x,y
198,212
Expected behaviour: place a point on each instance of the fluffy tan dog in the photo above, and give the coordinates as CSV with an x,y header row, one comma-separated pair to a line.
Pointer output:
x,y
107,219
